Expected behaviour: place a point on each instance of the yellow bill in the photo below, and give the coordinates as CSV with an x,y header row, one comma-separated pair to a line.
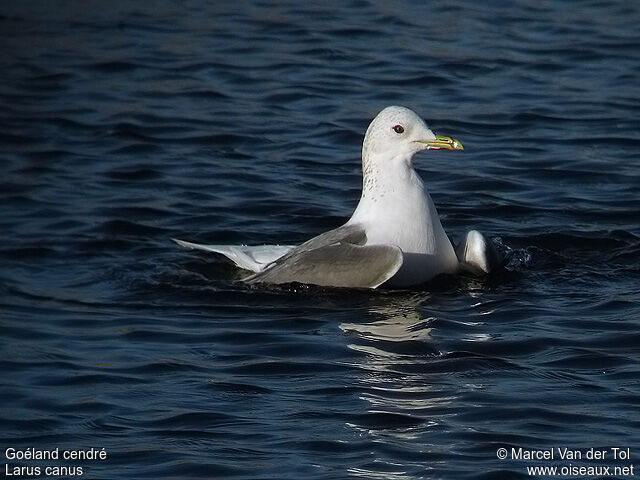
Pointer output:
x,y
441,141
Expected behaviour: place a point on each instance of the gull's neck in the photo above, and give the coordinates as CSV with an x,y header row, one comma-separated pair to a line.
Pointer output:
x,y
390,184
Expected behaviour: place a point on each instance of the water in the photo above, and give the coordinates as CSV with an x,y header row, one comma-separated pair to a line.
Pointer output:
x,y
128,124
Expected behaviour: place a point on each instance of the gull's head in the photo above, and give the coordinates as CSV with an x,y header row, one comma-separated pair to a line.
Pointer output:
x,y
398,132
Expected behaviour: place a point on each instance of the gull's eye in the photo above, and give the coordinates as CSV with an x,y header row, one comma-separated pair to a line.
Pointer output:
x,y
398,129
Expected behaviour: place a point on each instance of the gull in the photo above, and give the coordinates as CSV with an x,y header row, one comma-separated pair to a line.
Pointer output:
x,y
394,237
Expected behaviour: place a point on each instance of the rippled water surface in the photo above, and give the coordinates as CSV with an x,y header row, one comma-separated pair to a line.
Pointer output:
x,y
127,123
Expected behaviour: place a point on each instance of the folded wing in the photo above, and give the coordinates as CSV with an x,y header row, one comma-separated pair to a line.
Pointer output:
x,y
337,258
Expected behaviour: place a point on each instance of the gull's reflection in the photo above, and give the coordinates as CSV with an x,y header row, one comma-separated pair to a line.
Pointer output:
x,y
397,323
404,381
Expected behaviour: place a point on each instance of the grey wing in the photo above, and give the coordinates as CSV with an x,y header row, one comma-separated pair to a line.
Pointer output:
x,y
337,258
354,234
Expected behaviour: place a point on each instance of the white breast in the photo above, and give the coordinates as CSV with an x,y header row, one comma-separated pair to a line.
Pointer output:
x,y
407,218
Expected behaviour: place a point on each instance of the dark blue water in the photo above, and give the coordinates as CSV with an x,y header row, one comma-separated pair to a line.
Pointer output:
x,y
127,123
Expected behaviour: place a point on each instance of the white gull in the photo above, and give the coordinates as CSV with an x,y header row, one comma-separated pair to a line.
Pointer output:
x,y
394,236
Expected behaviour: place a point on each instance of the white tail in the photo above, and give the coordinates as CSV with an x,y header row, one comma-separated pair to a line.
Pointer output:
x,y
254,258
